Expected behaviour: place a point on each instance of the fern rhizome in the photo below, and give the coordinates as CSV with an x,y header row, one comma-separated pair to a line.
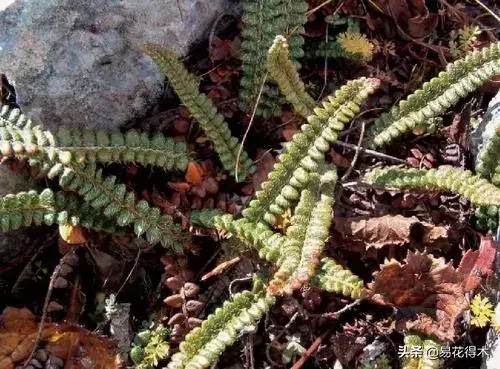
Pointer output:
x,y
302,182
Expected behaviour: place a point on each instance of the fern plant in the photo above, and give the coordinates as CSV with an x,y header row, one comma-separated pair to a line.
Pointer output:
x,y
426,353
459,79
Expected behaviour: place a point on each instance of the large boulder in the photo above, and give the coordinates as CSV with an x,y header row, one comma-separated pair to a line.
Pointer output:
x,y
77,62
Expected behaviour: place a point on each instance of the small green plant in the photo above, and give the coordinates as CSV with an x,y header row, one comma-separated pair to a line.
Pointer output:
x,y
150,346
481,310
463,40
426,353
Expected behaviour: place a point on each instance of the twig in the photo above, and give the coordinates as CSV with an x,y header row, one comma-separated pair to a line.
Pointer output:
x,y
356,154
336,314
311,350
370,152
249,126
53,278
309,12
488,10
131,271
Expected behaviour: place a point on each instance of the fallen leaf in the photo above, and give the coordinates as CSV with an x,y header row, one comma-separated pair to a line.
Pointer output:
x,y
72,234
395,230
478,264
194,173
412,16
427,292
80,348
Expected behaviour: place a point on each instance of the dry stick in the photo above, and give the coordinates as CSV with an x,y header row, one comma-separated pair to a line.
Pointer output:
x,y
249,126
310,351
488,10
356,154
131,271
53,278
308,13
370,152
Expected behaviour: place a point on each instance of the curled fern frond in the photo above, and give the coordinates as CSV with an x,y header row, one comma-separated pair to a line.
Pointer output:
x,y
292,173
203,110
333,277
282,70
83,146
446,178
437,95
204,344
262,21
14,118
105,193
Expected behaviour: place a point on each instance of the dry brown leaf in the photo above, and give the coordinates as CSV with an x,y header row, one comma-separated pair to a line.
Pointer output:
x,y
477,264
427,291
194,173
395,230
80,348
412,16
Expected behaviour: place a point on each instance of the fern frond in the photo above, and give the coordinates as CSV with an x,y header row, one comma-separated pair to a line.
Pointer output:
x,y
291,174
13,117
282,70
83,146
425,353
27,208
203,110
105,193
332,277
306,236
256,236
262,21
204,344
446,178
437,95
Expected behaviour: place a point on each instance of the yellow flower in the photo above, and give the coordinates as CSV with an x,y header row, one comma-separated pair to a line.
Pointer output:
x,y
357,44
481,311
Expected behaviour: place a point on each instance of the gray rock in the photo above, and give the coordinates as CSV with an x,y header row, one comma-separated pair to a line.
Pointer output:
x,y
77,62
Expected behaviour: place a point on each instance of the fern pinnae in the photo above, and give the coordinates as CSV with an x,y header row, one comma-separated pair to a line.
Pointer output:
x,y
262,21
282,70
446,178
102,192
333,277
203,110
291,250
460,78
13,117
83,146
291,173
204,344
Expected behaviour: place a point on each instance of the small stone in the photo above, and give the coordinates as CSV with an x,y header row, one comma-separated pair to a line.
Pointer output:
x,y
174,283
36,363
41,355
194,322
178,318
61,282
194,307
